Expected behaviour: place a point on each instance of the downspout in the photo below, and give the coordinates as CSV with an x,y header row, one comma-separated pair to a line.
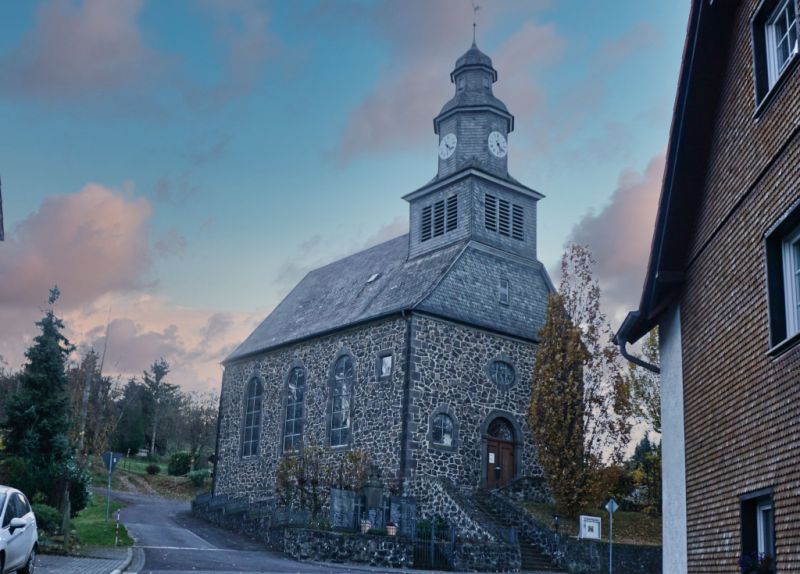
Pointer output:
x,y
621,339
216,447
406,407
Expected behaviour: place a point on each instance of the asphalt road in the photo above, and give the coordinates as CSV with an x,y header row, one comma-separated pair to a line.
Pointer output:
x,y
174,542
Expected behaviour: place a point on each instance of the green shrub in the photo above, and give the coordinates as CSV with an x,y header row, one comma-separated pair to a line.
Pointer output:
x,y
198,477
180,463
153,469
48,519
377,531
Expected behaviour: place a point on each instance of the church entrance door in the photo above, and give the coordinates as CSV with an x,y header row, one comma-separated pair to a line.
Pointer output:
x,y
500,461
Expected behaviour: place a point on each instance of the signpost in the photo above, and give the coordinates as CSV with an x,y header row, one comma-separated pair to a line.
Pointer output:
x,y
612,507
110,459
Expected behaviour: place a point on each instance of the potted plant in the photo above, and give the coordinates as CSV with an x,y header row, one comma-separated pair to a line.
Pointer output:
x,y
391,529
755,563
365,525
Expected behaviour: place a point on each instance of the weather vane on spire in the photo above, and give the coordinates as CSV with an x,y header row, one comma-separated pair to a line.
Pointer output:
x,y
475,9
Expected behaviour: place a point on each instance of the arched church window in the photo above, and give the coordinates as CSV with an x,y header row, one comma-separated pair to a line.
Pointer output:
x,y
501,373
293,422
342,394
501,429
442,430
251,429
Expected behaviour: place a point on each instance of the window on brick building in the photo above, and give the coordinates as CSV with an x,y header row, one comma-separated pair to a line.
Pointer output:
x,y
341,397
251,429
293,421
783,280
503,292
758,530
775,42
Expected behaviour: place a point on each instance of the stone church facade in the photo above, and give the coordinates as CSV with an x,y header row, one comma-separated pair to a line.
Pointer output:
x,y
417,351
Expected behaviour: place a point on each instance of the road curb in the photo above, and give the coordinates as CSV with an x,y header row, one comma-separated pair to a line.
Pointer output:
x,y
128,559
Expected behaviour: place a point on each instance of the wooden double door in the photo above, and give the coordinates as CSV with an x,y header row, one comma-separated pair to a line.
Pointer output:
x,y
500,463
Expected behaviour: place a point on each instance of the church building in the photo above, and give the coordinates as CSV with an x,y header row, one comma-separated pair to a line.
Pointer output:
x,y
417,351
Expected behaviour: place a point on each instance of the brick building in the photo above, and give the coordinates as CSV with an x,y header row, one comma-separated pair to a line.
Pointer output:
x,y
418,350
723,285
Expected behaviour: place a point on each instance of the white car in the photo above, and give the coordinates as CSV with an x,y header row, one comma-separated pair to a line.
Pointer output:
x,y
19,537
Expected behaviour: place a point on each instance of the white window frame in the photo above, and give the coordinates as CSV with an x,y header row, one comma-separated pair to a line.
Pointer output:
x,y
775,68
791,282
762,526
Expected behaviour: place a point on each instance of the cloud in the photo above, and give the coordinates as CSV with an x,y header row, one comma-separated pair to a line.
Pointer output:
x,y
172,243
89,243
73,49
95,53
425,39
241,30
619,236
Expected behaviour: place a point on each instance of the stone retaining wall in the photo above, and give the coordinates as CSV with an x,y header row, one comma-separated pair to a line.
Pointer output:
x,y
324,546
580,556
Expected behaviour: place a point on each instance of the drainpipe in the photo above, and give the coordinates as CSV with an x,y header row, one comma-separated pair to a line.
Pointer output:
x,y
621,340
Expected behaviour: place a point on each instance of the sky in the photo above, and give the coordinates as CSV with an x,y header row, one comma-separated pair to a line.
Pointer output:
x,y
176,167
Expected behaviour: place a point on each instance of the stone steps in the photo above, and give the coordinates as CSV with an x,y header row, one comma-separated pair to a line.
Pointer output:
x,y
532,558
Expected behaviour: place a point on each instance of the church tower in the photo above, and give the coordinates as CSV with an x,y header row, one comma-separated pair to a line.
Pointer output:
x,y
473,196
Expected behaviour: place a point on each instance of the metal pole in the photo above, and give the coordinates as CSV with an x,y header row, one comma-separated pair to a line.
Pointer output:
x,y
610,542
108,491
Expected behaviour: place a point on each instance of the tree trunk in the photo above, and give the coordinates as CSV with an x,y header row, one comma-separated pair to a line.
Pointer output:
x,y
65,516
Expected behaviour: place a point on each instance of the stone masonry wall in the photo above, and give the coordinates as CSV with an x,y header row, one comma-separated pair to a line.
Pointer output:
x,y
449,369
376,412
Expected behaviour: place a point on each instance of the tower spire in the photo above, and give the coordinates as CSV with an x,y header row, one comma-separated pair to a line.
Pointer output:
x,y
475,9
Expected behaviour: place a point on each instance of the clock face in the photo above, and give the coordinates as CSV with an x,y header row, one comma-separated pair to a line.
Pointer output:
x,y
497,144
447,146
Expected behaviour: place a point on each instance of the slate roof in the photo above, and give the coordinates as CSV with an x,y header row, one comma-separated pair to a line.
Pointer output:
x,y
339,294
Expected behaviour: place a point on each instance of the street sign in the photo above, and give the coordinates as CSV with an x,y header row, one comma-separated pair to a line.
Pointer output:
x,y
590,527
612,506
110,459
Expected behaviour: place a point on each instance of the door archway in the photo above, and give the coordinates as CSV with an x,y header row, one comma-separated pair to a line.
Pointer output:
x,y
502,450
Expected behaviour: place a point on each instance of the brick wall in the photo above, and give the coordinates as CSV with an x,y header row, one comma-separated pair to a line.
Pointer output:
x,y
742,407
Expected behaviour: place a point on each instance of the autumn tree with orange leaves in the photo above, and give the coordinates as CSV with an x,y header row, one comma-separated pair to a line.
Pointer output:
x,y
580,410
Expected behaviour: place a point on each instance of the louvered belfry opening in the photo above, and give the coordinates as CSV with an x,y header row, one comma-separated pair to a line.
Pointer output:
x,y
503,217
439,218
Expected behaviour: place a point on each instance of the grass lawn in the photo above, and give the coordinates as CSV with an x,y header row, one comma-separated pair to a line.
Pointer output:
x,y
92,529
629,527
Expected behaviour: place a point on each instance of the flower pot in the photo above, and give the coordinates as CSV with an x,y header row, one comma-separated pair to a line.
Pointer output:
x,y
391,530
365,526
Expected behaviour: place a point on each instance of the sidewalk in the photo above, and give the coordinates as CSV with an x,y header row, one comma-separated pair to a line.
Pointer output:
x,y
96,561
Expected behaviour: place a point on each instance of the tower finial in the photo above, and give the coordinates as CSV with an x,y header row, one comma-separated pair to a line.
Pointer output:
x,y
475,9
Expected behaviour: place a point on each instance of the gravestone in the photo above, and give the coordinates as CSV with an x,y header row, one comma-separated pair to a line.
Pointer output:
x,y
342,509
408,517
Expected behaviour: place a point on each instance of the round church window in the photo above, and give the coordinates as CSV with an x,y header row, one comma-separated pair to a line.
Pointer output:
x,y
502,373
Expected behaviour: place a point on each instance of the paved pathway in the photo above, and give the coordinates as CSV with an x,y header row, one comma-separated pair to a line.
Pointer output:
x,y
102,561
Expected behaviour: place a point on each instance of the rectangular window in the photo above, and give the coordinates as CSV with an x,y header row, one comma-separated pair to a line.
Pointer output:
x,y
781,38
791,279
775,29
518,223
783,280
758,530
452,212
503,292
426,223
385,366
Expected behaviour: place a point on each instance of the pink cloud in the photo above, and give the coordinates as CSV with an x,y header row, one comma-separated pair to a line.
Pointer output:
x,y
92,46
89,242
619,236
426,39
